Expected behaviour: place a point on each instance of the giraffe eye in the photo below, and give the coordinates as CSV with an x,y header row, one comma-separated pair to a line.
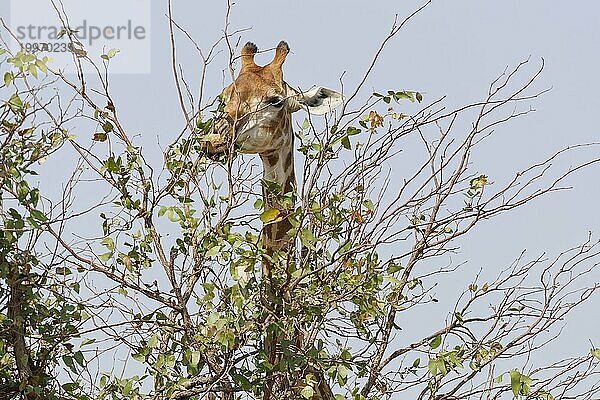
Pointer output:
x,y
275,101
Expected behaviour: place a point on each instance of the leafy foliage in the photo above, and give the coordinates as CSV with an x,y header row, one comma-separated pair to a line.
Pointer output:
x,y
170,274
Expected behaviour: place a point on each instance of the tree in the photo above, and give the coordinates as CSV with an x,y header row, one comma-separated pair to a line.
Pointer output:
x,y
156,290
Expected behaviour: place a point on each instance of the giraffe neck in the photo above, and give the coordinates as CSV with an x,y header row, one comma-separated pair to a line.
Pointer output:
x,y
279,168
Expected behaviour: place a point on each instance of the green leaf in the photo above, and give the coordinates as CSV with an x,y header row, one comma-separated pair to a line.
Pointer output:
x,y
139,357
32,70
172,215
87,341
105,257
213,251
195,359
543,395
107,127
351,131
213,318
8,78
78,356
70,386
15,102
307,238
22,189
515,382
458,317
442,367
113,52
346,142
108,242
342,374
239,273
419,97
68,360
153,341
42,66
258,204
269,215
307,392
479,182
242,381
162,210
432,365
435,343
38,215
406,95
596,353
305,124
63,271
519,383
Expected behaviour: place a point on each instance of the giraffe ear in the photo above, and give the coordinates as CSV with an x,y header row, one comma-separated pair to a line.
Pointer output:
x,y
317,101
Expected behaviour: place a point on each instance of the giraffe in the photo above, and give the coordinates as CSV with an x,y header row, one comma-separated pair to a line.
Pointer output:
x,y
257,118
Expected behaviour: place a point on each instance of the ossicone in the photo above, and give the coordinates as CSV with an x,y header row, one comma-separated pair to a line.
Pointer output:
x,y
248,52
280,54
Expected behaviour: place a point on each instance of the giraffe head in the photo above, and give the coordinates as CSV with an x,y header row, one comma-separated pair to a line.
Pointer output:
x,y
257,106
